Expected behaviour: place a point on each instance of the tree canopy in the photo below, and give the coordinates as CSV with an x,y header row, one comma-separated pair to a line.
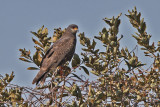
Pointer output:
x,y
121,78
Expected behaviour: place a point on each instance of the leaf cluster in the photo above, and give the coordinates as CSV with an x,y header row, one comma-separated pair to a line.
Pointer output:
x,y
10,96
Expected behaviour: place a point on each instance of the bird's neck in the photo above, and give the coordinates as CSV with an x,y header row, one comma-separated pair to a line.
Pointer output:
x,y
68,33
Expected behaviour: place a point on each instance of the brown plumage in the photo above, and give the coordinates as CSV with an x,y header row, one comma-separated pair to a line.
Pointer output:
x,y
60,52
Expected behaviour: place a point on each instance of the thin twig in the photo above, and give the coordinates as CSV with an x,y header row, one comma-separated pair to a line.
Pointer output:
x,y
62,89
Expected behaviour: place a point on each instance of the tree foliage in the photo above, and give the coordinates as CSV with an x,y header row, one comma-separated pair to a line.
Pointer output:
x,y
121,78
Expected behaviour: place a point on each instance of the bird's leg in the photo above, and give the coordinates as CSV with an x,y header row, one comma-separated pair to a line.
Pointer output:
x,y
60,70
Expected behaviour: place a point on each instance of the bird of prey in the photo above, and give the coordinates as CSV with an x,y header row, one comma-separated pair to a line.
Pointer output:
x,y
59,53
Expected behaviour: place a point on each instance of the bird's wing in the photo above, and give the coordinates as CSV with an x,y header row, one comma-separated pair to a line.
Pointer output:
x,y
54,56
57,53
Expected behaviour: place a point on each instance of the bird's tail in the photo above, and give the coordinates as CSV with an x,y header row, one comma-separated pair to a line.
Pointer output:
x,y
40,77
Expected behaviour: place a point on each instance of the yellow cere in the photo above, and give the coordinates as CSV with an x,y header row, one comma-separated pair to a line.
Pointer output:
x,y
75,28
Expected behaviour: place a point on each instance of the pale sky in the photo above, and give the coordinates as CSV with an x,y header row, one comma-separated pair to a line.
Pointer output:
x,y
19,17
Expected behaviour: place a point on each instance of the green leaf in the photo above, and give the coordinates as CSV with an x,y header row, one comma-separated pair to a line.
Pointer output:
x,y
98,101
89,65
34,33
37,58
147,52
40,30
139,97
10,78
143,26
158,43
95,73
36,42
32,68
67,88
82,42
85,70
104,38
123,52
93,45
97,37
136,37
143,49
129,67
104,30
46,48
126,90
45,31
87,50
25,60
75,60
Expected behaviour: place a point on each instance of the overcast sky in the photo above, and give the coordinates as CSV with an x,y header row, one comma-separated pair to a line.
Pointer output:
x,y
19,17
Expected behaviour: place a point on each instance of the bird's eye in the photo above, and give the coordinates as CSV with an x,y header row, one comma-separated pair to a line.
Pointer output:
x,y
75,28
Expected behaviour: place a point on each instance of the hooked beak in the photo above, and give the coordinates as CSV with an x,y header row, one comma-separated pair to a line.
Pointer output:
x,y
76,29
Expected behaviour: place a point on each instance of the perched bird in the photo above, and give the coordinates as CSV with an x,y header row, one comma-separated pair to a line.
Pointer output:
x,y
58,54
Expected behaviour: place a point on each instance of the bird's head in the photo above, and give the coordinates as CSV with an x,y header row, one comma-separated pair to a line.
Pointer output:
x,y
73,28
